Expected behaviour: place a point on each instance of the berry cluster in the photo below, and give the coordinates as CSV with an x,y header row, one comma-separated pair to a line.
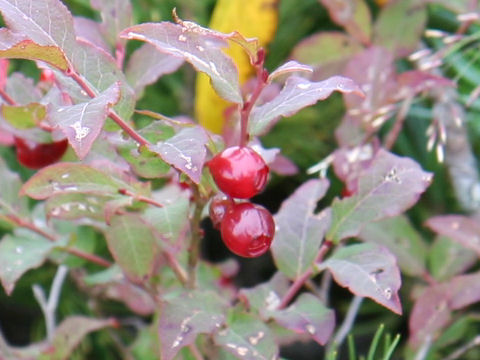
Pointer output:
x,y
247,229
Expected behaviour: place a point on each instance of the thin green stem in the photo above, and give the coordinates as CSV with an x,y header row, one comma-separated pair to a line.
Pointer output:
x,y
197,234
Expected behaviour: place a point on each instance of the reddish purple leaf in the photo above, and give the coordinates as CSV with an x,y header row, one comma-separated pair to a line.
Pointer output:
x,y
429,315
184,317
116,16
289,67
328,52
308,315
431,312
185,151
82,123
353,15
89,30
460,228
296,94
300,231
367,270
388,187
146,65
414,82
199,46
349,163
373,70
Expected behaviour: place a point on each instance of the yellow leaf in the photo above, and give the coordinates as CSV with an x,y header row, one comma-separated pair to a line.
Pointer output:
x,y
252,18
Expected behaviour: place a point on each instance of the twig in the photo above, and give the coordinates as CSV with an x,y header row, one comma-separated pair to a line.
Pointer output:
x,y
300,281
8,99
111,113
73,251
463,349
423,351
140,198
177,268
49,307
195,352
347,323
398,125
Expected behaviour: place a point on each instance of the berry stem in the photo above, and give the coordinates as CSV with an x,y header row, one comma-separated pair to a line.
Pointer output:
x,y
197,234
111,113
302,279
73,251
262,76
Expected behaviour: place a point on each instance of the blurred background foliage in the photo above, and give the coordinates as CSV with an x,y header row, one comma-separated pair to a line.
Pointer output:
x,y
305,138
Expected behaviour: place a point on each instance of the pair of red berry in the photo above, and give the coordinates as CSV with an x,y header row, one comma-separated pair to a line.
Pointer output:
x,y
247,229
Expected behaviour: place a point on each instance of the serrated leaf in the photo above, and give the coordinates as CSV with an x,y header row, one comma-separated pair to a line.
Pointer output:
x,y
196,45
266,297
460,228
388,187
171,221
253,18
17,46
46,23
70,178
399,26
133,246
299,231
448,258
185,151
403,241
146,65
296,94
116,16
18,254
70,333
353,15
367,270
247,338
185,316
24,116
308,315
82,123
328,52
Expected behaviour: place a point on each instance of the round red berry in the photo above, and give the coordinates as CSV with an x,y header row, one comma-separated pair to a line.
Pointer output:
x,y
218,207
35,156
239,172
47,75
247,229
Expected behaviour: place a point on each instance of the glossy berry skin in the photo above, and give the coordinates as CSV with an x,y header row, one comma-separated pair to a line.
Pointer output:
x,y
239,172
248,229
47,75
36,156
218,208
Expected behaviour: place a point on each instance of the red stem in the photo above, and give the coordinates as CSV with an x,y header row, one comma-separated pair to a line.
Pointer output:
x,y
141,198
262,76
302,279
111,113
8,99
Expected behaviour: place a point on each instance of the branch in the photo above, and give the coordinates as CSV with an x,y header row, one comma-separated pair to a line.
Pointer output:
x,y
140,198
347,323
463,349
49,307
300,281
197,234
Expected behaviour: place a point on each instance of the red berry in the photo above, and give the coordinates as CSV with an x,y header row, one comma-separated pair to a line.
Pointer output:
x,y
47,75
247,229
239,172
218,207
35,156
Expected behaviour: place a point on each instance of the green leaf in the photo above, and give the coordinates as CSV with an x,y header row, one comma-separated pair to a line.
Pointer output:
x,y
247,338
76,206
24,116
400,26
133,246
70,178
20,253
10,184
